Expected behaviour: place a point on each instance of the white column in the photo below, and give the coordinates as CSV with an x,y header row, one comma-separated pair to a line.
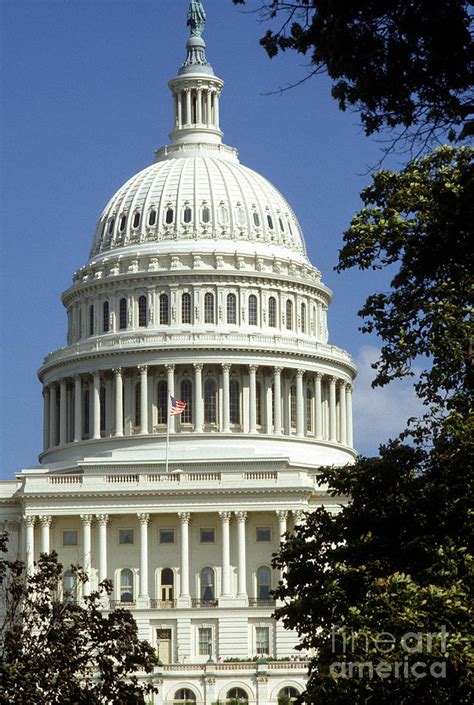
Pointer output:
x,y
144,519
30,543
282,515
143,369
253,399
318,409
225,520
198,400
332,409
77,408
45,521
277,400
298,516
225,398
299,404
199,106
52,416
45,418
180,112
96,405
343,413
86,552
350,439
62,412
103,521
216,109
118,401
184,518
188,107
286,407
170,373
208,107
242,558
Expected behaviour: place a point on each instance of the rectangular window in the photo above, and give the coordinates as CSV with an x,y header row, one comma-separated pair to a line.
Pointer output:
x,y
264,533
166,535
207,535
126,537
205,641
69,538
262,640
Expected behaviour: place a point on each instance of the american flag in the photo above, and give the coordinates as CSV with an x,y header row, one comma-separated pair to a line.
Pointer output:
x,y
177,406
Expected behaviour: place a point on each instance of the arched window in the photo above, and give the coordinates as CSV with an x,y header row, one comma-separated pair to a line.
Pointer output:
x,y
258,399
142,311
187,215
69,587
152,217
231,308
123,314
256,219
184,695
289,314
103,407
169,216
303,318
136,220
210,401
264,583
293,406
87,409
282,227
122,223
111,226
288,692
187,396
237,694
206,214
270,221
309,410
186,308
167,587
137,404
164,310
252,310
162,402
234,402
209,308
91,319
126,585
106,317
240,215
207,585
223,215
272,308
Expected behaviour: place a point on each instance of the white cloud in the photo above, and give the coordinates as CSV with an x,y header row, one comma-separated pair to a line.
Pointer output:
x,y
380,413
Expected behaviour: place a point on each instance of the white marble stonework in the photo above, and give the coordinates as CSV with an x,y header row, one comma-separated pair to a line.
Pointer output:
x,y
198,285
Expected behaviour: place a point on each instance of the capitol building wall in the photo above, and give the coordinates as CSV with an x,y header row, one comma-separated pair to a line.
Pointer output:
x,y
197,287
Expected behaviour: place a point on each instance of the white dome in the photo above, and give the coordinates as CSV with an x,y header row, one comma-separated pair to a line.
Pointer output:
x,y
206,196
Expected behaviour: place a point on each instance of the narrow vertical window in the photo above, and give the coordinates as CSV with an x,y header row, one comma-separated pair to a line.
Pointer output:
x,y
136,220
186,395
206,215
309,410
231,308
87,410
126,585
69,587
262,640
210,405
272,321
186,308
289,315
142,311
137,404
187,215
122,223
293,406
258,395
256,219
209,308
152,217
106,317
303,318
103,406
169,216
252,310
162,402
270,221
91,319
234,402
207,585
164,310
123,314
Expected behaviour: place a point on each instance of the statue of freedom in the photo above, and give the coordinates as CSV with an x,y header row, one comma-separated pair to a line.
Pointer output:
x,y
196,18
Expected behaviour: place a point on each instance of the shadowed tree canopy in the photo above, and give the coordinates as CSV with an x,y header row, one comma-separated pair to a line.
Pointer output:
x,y
405,64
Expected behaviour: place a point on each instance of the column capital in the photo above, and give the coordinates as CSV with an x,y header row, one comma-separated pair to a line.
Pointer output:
x,y
282,514
333,380
342,383
45,391
184,517
349,387
45,520
226,367
225,516
299,373
318,375
241,516
278,370
103,519
198,366
170,367
253,368
143,518
29,519
118,371
298,515
87,519
143,369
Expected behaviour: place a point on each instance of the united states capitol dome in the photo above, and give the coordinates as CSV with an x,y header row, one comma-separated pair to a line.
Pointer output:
x,y
197,190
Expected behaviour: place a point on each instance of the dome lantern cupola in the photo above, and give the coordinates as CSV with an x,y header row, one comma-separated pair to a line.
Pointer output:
x,y
196,89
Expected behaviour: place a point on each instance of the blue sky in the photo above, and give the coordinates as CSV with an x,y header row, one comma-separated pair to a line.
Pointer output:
x,y
85,101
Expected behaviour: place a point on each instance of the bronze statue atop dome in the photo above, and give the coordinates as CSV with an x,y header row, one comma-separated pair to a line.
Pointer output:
x,y
196,18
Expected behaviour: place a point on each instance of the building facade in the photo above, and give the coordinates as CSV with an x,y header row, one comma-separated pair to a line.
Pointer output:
x,y
197,287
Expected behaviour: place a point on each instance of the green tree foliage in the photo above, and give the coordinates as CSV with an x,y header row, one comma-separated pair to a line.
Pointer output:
x,y
397,62
54,651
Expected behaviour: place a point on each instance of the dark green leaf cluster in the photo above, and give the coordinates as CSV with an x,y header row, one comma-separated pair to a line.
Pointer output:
x,y
54,651
397,62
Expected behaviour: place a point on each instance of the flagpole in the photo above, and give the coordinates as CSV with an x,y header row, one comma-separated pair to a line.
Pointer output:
x,y
167,433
